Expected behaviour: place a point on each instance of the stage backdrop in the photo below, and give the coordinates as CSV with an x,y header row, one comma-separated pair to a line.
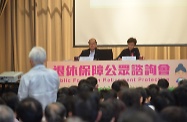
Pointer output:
x,y
136,73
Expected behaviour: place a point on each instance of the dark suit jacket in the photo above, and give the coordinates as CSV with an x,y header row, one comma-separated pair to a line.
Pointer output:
x,y
127,52
87,53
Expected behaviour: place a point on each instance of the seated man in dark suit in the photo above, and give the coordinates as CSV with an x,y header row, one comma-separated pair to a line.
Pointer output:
x,y
130,51
92,51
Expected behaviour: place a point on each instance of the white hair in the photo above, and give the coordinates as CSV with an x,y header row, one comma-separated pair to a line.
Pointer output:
x,y
37,55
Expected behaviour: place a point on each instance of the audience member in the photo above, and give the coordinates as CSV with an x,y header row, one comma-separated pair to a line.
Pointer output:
x,y
134,116
55,112
182,82
11,100
63,90
174,114
68,102
93,81
180,96
119,85
107,112
131,98
6,114
116,85
82,103
163,84
143,94
40,83
84,86
73,90
164,99
86,106
29,110
152,90
119,107
108,94
123,84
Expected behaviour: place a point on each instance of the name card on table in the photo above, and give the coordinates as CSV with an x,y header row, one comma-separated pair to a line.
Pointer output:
x,y
86,58
128,58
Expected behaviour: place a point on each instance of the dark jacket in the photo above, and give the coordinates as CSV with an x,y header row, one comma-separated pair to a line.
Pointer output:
x,y
87,53
127,52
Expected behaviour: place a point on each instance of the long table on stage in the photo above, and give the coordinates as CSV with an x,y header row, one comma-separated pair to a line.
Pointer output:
x,y
136,73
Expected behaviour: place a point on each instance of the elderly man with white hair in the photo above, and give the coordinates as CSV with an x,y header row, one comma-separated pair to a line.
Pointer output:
x,y
39,83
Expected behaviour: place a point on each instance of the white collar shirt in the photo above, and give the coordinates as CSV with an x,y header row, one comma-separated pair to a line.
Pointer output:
x,y
39,83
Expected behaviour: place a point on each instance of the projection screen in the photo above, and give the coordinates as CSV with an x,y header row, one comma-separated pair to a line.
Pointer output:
x,y
112,22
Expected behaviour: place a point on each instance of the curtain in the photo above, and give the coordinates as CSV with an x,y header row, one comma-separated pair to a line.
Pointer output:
x,y
2,5
54,27
49,23
17,35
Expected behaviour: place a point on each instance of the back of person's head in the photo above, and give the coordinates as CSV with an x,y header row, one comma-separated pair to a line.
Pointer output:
x,y
163,99
11,99
109,94
183,82
63,90
68,102
123,84
174,114
152,90
86,106
82,81
6,114
84,86
55,112
93,81
131,98
119,107
134,116
159,102
73,90
119,85
108,111
116,85
29,110
180,95
163,83
167,94
151,113
37,55
143,94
